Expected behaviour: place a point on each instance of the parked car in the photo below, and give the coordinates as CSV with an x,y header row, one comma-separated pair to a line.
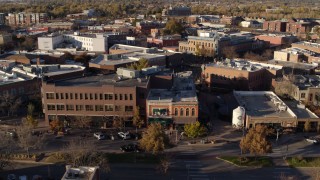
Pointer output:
x,y
130,148
99,136
312,140
125,135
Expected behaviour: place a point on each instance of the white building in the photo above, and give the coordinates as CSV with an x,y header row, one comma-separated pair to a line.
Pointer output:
x,y
88,42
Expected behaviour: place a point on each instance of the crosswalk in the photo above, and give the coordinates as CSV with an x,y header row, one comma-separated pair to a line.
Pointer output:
x,y
194,167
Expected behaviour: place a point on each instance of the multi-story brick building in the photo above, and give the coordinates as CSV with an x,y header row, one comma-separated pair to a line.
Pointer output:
x,y
100,97
231,20
163,41
277,40
145,27
240,75
178,105
26,19
212,43
275,26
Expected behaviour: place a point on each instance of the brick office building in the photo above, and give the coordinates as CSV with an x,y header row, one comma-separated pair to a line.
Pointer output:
x,y
275,26
177,105
240,75
100,97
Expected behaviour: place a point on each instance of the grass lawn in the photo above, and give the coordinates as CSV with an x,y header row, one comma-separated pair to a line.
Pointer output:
x,y
249,161
113,158
303,161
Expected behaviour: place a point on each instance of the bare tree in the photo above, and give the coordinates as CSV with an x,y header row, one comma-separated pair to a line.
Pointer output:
x,y
82,122
26,139
284,87
164,164
82,152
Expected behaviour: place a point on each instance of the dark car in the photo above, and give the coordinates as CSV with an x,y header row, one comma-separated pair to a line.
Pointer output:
x,y
130,148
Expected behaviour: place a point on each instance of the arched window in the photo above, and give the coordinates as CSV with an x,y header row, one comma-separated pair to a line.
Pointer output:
x,y
181,112
176,111
193,112
187,112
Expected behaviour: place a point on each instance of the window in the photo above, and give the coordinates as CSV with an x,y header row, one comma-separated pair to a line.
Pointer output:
x,y
193,112
85,96
128,108
50,95
116,97
118,108
303,95
187,112
176,111
91,96
125,96
76,96
79,107
67,96
51,107
181,112
89,107
99,107
60,107
108,96
61,96
108,107
310,97
120,96
57,95
81,96
101,96
95,96
71,95
131,98
69,107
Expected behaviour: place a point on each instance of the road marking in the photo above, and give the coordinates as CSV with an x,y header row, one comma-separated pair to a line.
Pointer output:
x,y
198,175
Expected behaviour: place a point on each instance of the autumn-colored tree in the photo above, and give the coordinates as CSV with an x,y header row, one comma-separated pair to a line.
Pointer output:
x,y
195,130
255,141
154,139
56,125
173,27
307,126
142,63
137,120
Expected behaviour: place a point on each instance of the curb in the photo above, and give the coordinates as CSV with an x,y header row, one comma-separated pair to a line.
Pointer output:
x,y
31,162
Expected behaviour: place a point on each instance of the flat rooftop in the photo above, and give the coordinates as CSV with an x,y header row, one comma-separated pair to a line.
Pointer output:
x,y
290,64
307,81
295,50
244,65
263,104
183,90
115,59
317,45
299,110
102,80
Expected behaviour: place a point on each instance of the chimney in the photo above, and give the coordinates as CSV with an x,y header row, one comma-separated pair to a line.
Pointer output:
x,y
38,61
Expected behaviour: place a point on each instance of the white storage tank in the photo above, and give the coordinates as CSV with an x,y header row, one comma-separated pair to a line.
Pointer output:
x,y
238,116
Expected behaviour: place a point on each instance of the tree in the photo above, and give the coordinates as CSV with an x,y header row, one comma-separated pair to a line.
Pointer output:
x,y
137,120
154,139
56,125
284,87
82,122
164,165
25,138
82,152
30,120
255,141
195,130
229,52
30,109
142,63
173,27
307,126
